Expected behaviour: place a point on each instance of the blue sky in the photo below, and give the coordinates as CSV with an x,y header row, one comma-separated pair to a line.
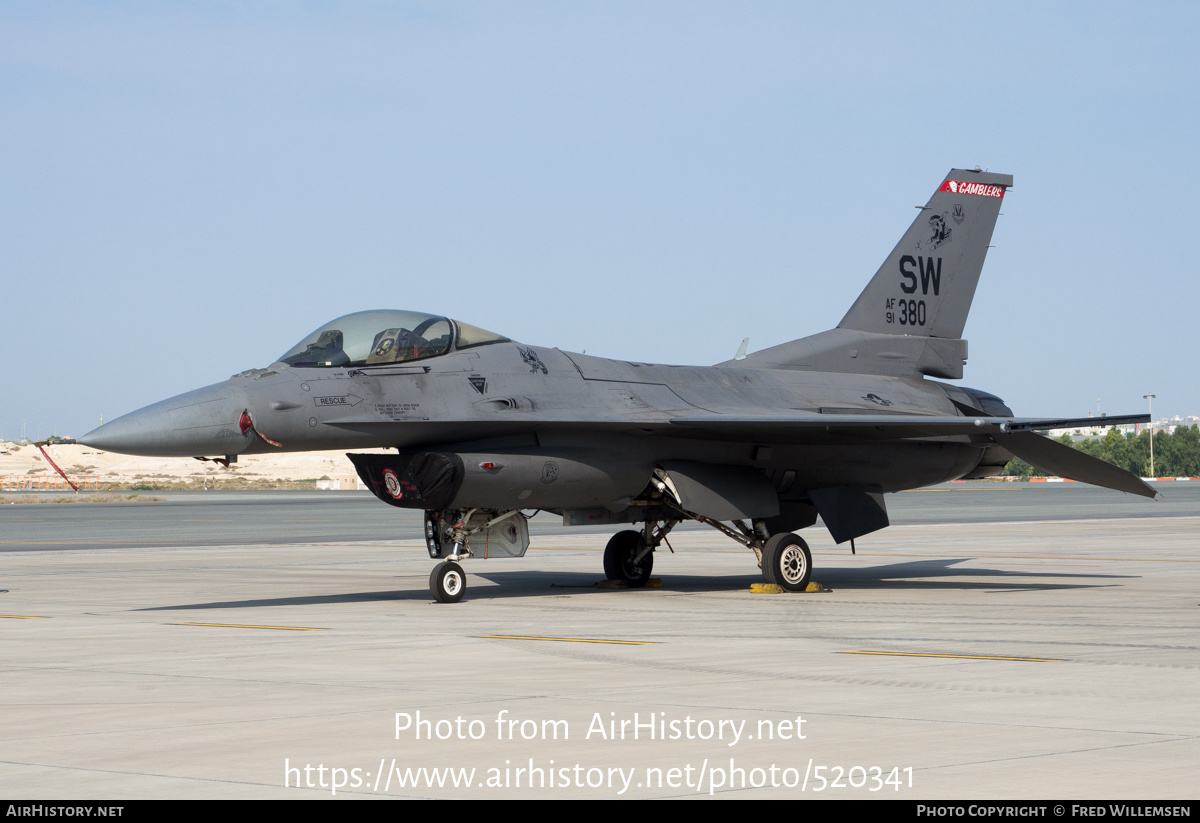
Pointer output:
x,y
186,190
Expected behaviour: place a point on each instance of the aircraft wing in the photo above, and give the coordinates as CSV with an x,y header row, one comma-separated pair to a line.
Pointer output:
x,y
888,426
786,427
1016,435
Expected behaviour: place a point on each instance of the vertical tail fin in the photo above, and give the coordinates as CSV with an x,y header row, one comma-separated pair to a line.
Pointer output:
x,y
910,318
926,285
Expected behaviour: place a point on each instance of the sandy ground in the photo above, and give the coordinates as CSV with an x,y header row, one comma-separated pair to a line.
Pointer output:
x,y
20,463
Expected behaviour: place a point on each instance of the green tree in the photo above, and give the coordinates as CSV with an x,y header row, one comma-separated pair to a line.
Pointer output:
x,y
1175,455
1115,449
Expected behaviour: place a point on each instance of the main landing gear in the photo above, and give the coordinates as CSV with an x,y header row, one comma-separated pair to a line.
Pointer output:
x,y
627,558
786,562
629,555
784,558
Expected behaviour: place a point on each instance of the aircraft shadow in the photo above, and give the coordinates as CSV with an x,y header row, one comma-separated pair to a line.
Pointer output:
x,y
936,574
946,573
939,574
311,600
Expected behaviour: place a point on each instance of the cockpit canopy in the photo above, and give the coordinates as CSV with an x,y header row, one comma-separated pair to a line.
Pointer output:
x,y
369,338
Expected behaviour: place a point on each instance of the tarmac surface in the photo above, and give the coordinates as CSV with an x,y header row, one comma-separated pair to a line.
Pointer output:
x,y
1000,641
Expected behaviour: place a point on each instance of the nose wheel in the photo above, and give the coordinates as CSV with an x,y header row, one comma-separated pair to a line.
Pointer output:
x,y
447,582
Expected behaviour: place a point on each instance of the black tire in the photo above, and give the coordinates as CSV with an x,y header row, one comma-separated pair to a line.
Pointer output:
x,y
619,556
447,582
787,562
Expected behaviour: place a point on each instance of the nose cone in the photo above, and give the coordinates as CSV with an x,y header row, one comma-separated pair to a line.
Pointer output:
x,y
201,422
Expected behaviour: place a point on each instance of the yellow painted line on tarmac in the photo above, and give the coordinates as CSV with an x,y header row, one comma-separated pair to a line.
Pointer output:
x,y
963,656
568,639
252,626
22,617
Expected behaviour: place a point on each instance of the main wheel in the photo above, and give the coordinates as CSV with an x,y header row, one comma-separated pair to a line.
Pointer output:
x,y
787,562
447,582
620,559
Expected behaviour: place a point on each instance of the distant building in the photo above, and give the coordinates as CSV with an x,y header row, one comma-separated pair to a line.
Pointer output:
x,y
1166,425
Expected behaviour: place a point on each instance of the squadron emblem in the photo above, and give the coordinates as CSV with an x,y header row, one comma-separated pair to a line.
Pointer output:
x,y
392,483
531,359
940,231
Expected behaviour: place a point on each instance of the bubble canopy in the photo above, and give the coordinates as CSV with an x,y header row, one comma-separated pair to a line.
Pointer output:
x,y
369,338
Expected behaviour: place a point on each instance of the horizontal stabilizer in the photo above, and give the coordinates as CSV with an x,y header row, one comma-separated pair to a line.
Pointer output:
x,y
1077,422
1064,461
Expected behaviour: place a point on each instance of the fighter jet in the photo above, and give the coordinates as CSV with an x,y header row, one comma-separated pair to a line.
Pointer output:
x,y
487,429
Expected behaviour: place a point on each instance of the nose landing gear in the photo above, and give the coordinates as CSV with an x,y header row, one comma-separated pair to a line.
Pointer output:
x,y
447,582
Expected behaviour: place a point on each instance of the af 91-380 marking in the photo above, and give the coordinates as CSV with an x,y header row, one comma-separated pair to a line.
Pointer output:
x,y
905,312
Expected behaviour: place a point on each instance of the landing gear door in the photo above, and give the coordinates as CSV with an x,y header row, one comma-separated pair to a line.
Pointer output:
x,y
722,492
508,538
